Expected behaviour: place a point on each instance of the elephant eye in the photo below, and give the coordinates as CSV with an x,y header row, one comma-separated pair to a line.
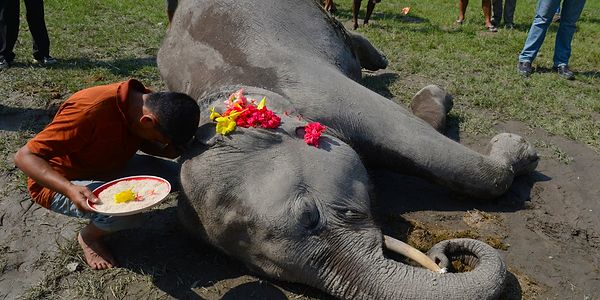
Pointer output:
x,y
310,217
354,216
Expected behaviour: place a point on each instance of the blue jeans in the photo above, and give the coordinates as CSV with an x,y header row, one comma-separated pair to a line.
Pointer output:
x,y
61,204
571,10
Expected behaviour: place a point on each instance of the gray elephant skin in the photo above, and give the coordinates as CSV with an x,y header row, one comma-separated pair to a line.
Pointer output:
x,y
300,213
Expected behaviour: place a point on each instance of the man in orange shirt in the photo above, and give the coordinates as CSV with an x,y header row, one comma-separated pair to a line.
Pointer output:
x,y
91,139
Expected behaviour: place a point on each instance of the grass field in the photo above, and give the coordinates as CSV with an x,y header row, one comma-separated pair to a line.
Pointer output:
x,y
99,42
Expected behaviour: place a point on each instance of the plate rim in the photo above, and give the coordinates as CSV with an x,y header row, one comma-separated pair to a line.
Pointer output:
x,y
105,185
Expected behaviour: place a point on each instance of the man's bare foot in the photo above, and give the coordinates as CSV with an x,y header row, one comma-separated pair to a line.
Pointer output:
x,y
96,254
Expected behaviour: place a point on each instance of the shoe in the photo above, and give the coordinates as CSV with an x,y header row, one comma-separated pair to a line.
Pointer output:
x,y
492,28
460,22
525,68
564,72
4,64
48,60
509,26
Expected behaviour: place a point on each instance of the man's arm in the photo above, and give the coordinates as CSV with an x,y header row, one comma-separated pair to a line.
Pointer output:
x,y
39,170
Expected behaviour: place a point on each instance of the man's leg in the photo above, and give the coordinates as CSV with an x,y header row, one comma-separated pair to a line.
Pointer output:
x,y
91,237
9,28
537,33
37,27
509,11
570,14
462,11
486,6
496,12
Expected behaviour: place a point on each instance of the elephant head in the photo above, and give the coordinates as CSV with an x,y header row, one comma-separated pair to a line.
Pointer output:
x,y
301,213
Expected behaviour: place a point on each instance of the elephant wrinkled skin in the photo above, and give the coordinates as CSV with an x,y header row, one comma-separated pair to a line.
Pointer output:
x,y
300,213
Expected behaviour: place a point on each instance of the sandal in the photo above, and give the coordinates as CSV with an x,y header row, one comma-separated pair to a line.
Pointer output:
x,y
460,22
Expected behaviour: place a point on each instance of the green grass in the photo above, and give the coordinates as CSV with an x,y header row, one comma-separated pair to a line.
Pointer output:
x,y
101,42
479,68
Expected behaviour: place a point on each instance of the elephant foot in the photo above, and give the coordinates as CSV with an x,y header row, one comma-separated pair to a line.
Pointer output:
x,y
432,104
515,151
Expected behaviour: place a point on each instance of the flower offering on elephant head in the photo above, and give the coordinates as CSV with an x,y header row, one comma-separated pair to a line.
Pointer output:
x,y
313,132
244,112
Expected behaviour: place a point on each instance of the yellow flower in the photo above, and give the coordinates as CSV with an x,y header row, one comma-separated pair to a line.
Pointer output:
x,y
226,124
125,196
214,114
262,103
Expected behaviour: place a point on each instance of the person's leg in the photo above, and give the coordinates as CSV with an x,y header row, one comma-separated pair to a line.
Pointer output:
x,y
497,12
462,10
370,7
537,33
91,237
355,11
9,28
171,6
486,6
509,11
571,12
37,27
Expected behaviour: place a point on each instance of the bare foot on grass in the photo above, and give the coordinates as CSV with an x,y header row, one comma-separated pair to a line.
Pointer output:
x,y
96,253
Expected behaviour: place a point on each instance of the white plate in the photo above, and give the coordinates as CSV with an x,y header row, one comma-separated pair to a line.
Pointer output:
x,y
145,200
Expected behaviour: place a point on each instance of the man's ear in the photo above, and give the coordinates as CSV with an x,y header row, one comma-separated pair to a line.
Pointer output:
x,y
148,121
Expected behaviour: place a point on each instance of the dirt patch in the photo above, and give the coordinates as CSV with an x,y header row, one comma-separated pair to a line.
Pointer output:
x,y
546,228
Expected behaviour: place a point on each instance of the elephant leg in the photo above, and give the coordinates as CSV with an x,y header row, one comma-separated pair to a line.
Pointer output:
x,y
370,58
387,135
355,11
432,104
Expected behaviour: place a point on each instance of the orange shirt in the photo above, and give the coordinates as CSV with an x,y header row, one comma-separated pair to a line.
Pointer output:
x,y
89,137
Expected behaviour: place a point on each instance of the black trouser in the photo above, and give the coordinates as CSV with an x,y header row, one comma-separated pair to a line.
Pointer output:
x,y
9,28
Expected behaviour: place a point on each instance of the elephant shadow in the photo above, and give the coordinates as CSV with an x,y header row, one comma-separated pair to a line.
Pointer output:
x,y
184,268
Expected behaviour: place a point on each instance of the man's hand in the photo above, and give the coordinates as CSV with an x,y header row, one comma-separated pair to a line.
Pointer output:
x,y
79,195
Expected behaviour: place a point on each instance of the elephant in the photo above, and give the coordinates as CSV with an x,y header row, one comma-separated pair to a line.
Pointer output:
x,y
301,213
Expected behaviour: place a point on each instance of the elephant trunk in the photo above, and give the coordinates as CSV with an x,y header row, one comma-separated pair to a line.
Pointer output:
x,y
376,277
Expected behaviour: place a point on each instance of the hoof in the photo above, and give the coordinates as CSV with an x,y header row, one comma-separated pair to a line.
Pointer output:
x,y
514,150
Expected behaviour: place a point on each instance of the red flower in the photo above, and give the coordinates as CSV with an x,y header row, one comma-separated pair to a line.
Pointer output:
x,y
313,132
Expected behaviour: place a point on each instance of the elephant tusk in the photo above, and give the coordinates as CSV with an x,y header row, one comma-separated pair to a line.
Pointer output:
x,y
412,253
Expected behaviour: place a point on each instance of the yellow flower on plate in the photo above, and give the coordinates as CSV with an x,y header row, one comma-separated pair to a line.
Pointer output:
x,y
124,196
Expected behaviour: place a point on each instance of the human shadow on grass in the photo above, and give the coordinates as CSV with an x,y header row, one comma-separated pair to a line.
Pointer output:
x,y
119,66
590,74
183,267
24,119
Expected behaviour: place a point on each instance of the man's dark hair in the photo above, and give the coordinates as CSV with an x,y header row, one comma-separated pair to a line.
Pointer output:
x,y
178,115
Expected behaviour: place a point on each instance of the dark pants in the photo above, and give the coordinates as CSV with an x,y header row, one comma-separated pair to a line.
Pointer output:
x,y
508,9
9,28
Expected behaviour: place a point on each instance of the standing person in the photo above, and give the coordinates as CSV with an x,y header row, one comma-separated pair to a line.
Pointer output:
x,y
9,31
570,13
171,7
509,13
91,139
486,6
